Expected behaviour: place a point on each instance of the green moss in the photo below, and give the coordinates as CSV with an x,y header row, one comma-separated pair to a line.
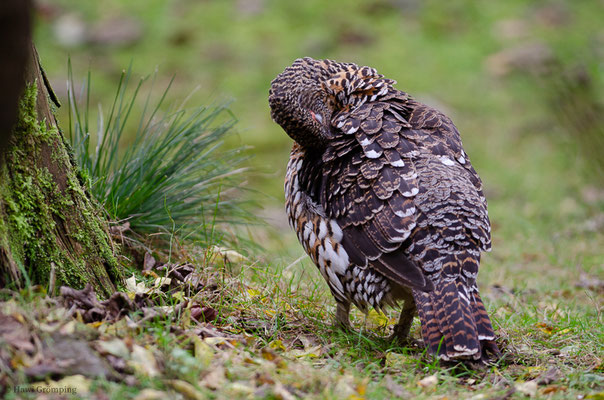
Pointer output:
x,y
28,117
6,239
34,213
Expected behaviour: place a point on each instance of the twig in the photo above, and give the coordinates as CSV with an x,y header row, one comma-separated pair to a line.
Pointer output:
x,y
295,262
52,279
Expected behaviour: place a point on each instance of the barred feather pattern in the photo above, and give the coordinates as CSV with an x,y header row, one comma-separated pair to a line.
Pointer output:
x,y
385,201
322,237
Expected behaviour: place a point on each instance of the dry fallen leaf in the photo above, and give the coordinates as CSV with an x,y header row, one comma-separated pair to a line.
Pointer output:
x,y
528,388
239,389
221,342
148,262
428,381
230,256
277,344
395,389
532,372
311,352
122,328
161,282
143,361
134,288
15,333
269,354
203,313
186,389
151,394
396,360
214,379
345,387
545,328
21,360
552,375
552,389
115,347
69,355
281,392
204,353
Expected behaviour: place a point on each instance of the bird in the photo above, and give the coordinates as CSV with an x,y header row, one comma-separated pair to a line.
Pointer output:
x,y
384,200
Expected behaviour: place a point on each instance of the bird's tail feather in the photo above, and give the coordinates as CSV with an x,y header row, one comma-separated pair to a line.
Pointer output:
x,y
455,324
486,334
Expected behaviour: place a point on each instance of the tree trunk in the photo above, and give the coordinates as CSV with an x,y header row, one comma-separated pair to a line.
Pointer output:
x,y
15,27
51,231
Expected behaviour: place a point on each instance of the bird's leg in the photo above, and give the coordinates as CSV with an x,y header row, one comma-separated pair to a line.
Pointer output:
x,y
401,329
400,332
342,321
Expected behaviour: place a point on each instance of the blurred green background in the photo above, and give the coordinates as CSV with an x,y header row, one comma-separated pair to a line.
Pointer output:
x,y
498,69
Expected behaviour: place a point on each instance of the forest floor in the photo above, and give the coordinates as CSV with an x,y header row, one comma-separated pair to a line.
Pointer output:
x,y
223,326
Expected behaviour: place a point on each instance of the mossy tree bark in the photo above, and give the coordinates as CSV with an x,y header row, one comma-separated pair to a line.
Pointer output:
x,y
15,31
51,232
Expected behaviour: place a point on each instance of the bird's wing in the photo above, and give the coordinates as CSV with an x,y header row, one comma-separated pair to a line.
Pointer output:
x,y
370,181
452,176
368,185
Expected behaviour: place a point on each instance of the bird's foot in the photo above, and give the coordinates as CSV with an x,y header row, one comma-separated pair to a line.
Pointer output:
x,y
405,341
343,326
400,337
342,321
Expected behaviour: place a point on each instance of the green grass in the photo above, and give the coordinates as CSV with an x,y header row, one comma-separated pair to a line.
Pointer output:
x,y
276,333
173,175
435,52
547,241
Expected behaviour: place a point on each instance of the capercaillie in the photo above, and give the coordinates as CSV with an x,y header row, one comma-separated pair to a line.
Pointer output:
x,y
386,203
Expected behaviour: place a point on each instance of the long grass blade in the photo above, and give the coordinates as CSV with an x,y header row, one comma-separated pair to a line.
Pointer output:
x,y
174,176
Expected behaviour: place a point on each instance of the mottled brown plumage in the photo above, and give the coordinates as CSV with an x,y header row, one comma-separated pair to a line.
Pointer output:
x,y
385,202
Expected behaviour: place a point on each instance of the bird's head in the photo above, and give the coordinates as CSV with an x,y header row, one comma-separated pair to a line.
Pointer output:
x,y
308,94
300,104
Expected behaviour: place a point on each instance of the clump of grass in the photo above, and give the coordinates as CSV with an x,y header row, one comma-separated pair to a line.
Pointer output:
x,y
159,171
